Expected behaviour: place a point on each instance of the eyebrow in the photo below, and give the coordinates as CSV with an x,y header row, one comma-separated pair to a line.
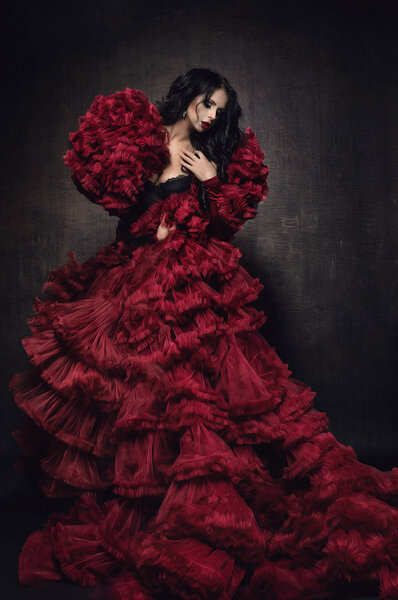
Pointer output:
x,y
220,107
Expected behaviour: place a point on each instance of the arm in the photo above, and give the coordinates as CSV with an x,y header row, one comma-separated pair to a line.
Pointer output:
x,y
232,203
119,144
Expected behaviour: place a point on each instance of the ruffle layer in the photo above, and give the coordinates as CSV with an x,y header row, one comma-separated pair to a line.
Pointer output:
x,y
119,144
235,201
213,511
141,464
70,547
150,384
129,586
204,453
76,469
186,567
62,417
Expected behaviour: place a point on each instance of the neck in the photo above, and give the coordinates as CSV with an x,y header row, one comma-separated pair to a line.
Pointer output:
x,y
179,131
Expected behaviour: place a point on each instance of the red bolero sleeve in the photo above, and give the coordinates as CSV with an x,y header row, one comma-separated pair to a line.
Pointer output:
x,y
234,202
120,142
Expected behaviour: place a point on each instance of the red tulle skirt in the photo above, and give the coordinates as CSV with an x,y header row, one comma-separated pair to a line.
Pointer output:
x,y
200,468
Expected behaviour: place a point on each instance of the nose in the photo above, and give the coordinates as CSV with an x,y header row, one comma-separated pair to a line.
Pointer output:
x,y
212,116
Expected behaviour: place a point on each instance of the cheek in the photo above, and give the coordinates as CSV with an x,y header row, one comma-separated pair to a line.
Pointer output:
x,y
201,112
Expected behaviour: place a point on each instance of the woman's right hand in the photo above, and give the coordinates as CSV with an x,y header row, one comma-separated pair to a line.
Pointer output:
x,y
163,231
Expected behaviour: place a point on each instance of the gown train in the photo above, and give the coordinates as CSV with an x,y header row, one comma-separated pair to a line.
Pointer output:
x,y
200,466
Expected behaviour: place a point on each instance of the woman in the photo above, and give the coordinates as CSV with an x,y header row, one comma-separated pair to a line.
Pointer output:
x,y
199,465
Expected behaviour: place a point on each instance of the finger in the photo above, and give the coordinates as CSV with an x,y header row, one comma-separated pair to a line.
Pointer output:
x,y
188,153
186,160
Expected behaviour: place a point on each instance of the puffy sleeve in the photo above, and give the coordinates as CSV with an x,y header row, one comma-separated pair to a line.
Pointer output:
x,y
235,201
119,144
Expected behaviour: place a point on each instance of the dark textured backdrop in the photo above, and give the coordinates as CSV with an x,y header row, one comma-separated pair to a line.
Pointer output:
x,y
317,83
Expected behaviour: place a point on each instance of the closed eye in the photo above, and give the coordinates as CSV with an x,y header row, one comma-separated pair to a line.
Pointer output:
x,y
219,111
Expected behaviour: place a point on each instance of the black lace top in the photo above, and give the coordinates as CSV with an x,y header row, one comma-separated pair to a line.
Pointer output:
x,y
173,184
180,184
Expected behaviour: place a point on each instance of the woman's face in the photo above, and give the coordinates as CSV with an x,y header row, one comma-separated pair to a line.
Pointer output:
x,y
200,113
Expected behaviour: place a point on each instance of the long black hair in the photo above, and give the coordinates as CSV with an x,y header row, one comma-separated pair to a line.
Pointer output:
x,y
221,140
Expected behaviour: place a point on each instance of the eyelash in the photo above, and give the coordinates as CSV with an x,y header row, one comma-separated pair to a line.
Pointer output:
x,y
208,105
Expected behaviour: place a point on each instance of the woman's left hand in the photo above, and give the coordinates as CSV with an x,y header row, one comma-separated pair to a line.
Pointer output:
x,y
163,230
198,164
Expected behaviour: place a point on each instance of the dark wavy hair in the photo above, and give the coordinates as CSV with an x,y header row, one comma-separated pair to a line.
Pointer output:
x,y
221,140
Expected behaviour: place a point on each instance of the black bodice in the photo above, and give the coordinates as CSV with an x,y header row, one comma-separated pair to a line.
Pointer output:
x,y
151,194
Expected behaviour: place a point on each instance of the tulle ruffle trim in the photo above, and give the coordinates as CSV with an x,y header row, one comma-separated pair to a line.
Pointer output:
x,y
119,144
151,383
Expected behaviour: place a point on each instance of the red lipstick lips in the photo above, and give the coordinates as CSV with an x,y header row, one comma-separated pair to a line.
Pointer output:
x,y
205,124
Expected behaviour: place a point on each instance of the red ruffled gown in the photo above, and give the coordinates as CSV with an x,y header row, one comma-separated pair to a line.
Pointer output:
x,y
200,468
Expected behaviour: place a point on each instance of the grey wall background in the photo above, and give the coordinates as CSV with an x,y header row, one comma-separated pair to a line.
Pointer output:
x,y
317,83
